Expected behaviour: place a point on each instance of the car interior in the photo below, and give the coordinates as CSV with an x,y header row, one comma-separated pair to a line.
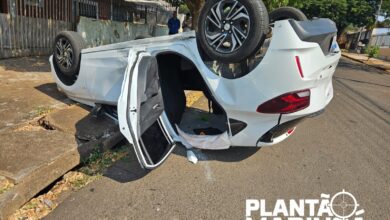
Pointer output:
x,y
176,83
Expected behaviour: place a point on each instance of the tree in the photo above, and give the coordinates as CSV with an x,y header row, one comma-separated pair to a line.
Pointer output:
x,y
195,6
358,13
273,4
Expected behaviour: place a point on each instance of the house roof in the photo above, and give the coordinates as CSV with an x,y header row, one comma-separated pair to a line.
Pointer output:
x,y
151,2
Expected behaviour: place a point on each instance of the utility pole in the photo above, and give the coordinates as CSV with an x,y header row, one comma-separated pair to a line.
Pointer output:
x,y
378,13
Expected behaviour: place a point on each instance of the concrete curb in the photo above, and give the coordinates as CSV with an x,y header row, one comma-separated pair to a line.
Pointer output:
x,y
361,61
43,175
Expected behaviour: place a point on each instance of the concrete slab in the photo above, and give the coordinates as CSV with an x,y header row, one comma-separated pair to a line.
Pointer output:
x,y
27,90
78,121
33,160
24,152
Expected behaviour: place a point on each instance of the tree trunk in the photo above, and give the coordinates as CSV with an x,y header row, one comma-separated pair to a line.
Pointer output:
x,y
195,7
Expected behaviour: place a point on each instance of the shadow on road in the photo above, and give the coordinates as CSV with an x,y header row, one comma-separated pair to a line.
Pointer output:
x,y
360,81
234,154
128,169
50,89
353,65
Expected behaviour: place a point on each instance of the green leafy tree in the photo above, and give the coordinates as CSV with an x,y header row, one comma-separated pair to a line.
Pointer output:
x,y
344,12
273,4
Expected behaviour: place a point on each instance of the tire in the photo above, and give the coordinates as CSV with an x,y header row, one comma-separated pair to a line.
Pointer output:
x,y
284,13
67,56
231,38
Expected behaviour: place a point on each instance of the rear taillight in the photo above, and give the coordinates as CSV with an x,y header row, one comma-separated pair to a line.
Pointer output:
x,y
287,103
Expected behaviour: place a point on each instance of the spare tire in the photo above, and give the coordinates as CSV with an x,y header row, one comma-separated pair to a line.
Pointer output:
x,y
230,31
284,13
67,56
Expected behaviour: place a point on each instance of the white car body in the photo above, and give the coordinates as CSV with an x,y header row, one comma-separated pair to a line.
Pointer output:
x,y
105,71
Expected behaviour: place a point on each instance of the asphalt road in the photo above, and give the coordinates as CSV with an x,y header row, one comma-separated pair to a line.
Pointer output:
x,y
348,147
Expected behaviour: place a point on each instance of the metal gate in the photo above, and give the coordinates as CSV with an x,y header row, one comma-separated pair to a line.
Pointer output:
x,y
30,26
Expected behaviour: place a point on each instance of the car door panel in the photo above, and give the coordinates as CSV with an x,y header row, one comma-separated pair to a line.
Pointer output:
x,y
140,107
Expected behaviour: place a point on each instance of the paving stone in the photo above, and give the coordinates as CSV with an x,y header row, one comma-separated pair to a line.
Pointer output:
x,y
78,121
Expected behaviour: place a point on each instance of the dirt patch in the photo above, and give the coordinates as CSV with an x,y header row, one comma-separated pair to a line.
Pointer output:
x,y
26,64
192,97
29,127
42,205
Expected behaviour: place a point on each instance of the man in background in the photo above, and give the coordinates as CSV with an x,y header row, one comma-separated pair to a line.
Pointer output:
x,y
174,24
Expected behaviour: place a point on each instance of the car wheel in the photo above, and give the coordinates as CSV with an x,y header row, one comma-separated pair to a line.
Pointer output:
x,y
231,30
286,13
67,56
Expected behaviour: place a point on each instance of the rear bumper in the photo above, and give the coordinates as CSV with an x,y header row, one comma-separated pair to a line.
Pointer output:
x,y
283,130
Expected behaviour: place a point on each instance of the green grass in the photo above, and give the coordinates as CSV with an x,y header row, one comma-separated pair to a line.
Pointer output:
x,y
98,161
5,185
42,110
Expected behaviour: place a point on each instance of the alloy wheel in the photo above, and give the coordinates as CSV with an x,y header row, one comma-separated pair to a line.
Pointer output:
x,y
64,53
227,26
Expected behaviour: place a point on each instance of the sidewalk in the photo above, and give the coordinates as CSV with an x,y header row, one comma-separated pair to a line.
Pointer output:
x,y
43,134
374,62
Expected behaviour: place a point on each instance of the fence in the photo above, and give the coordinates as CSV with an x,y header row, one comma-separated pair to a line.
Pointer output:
x,y
28,27
31,26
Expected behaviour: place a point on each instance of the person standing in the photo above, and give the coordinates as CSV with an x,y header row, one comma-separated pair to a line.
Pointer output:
x,y
174,24
187,23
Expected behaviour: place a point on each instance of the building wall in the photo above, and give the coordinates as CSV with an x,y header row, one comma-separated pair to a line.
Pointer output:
x,y
102,32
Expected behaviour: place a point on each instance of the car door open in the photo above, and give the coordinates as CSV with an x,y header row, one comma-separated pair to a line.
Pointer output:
x,y
140,109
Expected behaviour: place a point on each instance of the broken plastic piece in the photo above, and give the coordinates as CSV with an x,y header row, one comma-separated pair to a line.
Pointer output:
x,y
192,157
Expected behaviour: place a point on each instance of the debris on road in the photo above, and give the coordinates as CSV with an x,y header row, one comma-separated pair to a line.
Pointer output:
x,y
192,157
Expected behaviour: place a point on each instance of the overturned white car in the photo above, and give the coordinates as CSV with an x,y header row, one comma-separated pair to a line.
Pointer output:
x,y
143,82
